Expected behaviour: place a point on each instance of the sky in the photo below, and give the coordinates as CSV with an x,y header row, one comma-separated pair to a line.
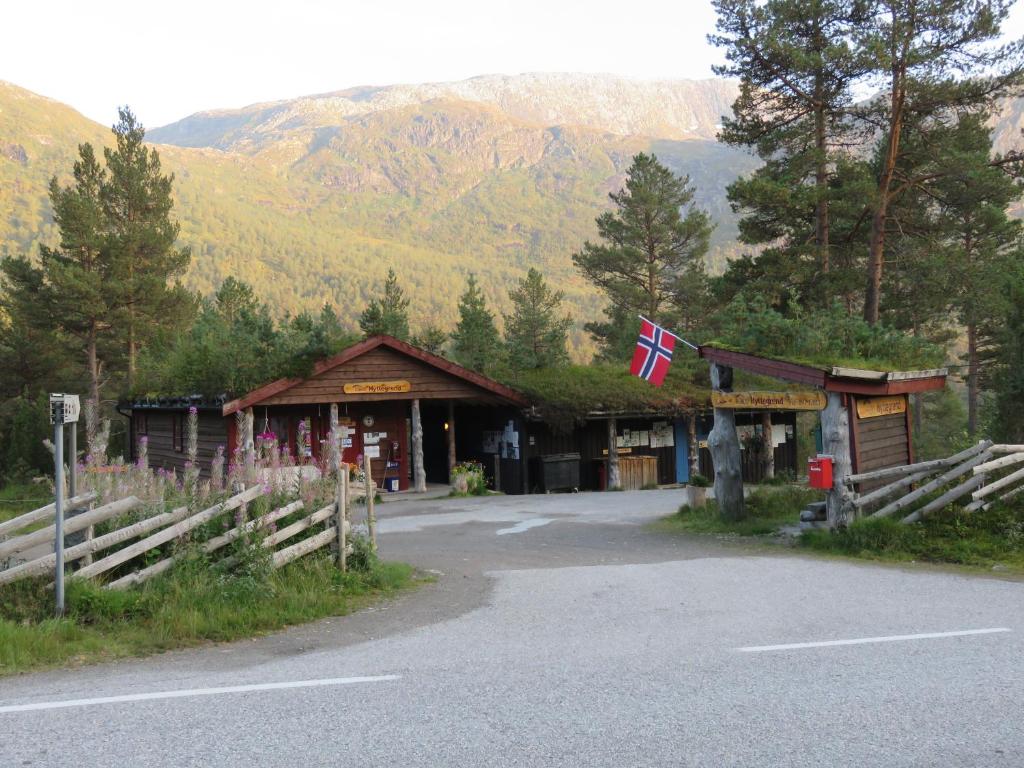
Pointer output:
x,y
168,60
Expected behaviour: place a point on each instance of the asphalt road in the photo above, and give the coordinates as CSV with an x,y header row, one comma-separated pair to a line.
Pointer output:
x,y
560,632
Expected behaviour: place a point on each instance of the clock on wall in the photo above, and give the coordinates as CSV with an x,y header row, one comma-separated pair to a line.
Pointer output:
x,y
367,420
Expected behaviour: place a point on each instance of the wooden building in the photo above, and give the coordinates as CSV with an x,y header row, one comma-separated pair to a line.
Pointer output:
x,y
162,422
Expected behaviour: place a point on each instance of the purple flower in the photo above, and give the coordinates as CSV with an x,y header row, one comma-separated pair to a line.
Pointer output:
x,y
192,410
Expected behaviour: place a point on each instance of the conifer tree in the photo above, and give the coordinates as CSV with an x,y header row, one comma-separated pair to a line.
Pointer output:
x,y
388,314
475,342
653,245
141,234
535,333
432,339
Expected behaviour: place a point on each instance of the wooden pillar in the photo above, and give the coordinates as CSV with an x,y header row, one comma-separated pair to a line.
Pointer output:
x,y
249,439
452,460
613,481
419,474
371,492
835,438
768,450
341,512
725,451
694,452
334,449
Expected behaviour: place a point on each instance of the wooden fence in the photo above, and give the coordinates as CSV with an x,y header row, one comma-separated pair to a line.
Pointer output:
x,y
17,559
975,472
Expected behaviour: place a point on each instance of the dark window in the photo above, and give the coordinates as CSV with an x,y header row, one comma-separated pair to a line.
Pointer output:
x,y
141,424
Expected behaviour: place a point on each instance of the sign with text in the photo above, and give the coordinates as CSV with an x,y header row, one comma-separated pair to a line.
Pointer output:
x,y
762,401
881,406
376,387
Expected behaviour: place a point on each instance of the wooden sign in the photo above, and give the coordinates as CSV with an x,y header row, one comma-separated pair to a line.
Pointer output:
x,y
781,401
881,406
376,387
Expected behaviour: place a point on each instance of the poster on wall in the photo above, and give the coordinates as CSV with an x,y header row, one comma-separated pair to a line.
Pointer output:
x,y
371,451
491,439
662,435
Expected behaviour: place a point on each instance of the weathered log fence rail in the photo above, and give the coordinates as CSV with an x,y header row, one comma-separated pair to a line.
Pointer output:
x,y
974,472
19,556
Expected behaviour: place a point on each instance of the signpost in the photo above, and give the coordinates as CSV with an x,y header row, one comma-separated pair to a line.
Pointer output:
x,y
783,401
64,409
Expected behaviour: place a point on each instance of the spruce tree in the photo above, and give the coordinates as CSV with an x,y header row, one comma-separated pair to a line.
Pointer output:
x,y
432,339
535,333
651,257
388,314
475,342
137,208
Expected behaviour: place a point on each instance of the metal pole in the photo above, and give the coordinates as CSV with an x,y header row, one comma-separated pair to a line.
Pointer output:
x,y
58,579
73,461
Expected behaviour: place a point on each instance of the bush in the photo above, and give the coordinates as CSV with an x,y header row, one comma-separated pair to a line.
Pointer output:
x,y
699,481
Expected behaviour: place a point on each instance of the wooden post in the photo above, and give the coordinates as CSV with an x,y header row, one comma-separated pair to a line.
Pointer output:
x,y
613,481
249,440
452,461
341,513
835,438
371,491
419,474
768,454
725,451
694,452
334,449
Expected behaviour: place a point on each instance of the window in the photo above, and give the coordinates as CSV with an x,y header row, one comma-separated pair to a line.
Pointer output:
x,y
141,423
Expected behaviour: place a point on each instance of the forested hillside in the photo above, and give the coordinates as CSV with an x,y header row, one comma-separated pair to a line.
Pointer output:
x,y
313,205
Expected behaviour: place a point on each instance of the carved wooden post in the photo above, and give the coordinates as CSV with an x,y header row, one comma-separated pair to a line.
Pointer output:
x,y
419,474
835,438
725,451
371,491
768,455
249,441
451,439
341,513
613,481
335,446
694,452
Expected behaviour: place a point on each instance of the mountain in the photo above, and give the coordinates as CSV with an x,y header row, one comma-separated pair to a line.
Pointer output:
x,y
312,199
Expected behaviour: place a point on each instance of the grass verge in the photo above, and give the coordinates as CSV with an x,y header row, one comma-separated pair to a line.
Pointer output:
x,y
993,538
191,605
19,498
768,508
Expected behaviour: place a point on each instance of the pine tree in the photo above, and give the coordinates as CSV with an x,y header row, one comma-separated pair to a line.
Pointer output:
x,y
74,290
137,208
652,255
476,343
535,334
937,63
388,314
796,68
432,339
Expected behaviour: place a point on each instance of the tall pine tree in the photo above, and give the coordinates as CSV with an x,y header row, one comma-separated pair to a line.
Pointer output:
x,y
535,332
475,341
389,314
651,258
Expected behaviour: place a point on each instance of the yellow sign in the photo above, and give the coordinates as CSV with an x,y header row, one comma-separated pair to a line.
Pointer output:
x,y
881,406
781,401
376,387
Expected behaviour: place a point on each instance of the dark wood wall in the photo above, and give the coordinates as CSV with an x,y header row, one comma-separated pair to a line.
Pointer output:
x,y
167,437
879,442
426,381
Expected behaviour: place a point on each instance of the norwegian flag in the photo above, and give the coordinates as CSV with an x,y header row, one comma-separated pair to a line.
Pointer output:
x,y
653,353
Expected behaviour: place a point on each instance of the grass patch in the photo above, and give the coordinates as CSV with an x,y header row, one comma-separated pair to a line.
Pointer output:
x,y
191,605
19,498
985,539
767,509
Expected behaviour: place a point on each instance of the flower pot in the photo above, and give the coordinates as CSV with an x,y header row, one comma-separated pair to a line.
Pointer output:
x,y
696,496
460,483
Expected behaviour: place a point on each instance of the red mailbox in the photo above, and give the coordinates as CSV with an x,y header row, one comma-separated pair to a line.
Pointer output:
x,y
819,472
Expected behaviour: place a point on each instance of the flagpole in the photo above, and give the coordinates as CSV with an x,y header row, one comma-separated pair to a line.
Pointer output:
x,y
677,338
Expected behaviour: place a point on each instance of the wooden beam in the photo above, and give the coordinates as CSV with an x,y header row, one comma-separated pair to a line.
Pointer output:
x,y
419,473
946,499
613,481
17,523
888,490
1013,458
906,501
1003,482
909,469
76,523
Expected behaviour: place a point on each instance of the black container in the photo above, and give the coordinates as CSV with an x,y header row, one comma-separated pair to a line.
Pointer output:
x,y
556,472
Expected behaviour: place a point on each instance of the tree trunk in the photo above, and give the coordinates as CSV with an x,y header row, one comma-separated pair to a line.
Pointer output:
x,y
835,436
973,371
131,349
694,452
452,460
821,235
94,366
419,475
725,451
612,481
767,449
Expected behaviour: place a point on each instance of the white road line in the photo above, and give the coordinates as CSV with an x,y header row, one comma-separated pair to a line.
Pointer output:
x,y
863,640
189,692
525,525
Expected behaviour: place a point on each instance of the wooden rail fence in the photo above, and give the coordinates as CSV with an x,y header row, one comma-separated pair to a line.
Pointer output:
x,y
975,472
17,560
